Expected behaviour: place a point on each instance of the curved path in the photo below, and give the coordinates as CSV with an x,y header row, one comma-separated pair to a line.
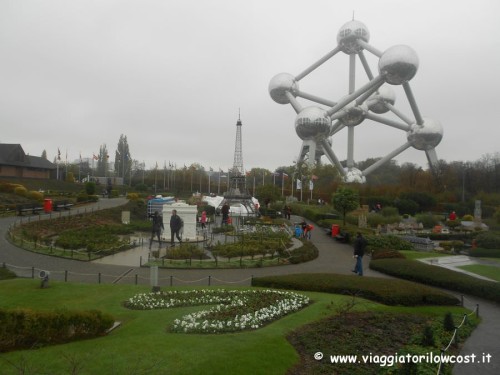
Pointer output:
x,y
333,258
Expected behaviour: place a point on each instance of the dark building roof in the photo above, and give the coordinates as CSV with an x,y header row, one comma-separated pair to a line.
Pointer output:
x,y
13,155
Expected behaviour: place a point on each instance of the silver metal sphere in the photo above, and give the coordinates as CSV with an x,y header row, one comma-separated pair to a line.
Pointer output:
x,y
427,136
353,114
354,175
376,102
398,64
312,122
348,35
280,84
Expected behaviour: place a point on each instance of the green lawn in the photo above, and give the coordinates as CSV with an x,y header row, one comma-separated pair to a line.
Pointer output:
x,y
143,345
490,272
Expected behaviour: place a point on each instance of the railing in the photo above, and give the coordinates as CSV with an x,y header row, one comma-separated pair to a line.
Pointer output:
x,y
453,339
127,276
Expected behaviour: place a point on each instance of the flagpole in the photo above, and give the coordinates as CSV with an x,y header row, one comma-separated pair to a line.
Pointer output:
x,y
282,183
218,186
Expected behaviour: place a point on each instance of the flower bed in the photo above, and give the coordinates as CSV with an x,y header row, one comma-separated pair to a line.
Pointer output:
x,y
234,310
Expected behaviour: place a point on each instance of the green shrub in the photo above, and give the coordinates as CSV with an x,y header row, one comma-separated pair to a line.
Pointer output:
x,y
428,336
406,206
448,323
383,254
468,218
24,328
438,276
5,274
7,187
448,245
427,220
34,195
114,193
484,253
133,196
387,242
488,240
82,197
21,191
389,211
374,220
386,291
305,253
223,229
90,188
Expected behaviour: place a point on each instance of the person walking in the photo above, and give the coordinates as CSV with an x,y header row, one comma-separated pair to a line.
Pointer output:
x,y
203,220
156,229
359,251
225,213
175,227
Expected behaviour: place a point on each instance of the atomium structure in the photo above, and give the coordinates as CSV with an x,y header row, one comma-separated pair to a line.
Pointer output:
x,y
316,124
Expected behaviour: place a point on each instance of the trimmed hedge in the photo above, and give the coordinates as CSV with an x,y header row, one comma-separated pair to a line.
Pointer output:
x,y
386,291
308,251
488,240
6,274
387,242
24,328
438,276
485,253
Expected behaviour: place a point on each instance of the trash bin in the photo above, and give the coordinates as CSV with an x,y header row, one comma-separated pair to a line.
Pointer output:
x,y
335,230
47,205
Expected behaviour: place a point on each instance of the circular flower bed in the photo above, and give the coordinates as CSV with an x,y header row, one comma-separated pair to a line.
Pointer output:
x,y
234,310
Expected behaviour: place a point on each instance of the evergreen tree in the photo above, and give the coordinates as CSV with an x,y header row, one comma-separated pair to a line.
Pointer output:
x,y
102,161
123,160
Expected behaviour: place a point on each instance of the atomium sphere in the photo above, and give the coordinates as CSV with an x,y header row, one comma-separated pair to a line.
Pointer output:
x,y
349,34
354,175
427,136
312,122
280,84
376,102
353,114
398,64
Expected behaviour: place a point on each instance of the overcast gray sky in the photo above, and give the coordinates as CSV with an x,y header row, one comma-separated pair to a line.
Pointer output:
x,y
172,76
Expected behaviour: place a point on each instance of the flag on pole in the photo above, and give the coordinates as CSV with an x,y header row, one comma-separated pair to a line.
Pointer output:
x,y
311,185
299,184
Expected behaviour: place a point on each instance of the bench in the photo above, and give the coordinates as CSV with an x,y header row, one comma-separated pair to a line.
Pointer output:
x,y
34,208
57,205
342,237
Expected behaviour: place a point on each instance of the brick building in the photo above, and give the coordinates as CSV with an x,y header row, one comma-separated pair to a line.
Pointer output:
x,y
14,162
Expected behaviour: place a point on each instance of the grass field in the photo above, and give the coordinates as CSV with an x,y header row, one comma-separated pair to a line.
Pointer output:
x,y
142,343
490,272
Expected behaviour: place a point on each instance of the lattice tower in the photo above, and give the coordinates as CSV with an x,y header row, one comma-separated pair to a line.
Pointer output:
x,y
238,151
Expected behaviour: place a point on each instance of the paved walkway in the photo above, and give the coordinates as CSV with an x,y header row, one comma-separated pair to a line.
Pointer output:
x,y
333,257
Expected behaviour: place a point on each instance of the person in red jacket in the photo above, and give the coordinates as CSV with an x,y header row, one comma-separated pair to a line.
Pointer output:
x,y
307,230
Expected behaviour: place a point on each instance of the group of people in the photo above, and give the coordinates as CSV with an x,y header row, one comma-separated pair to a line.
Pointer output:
x,y
175,227
304,229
